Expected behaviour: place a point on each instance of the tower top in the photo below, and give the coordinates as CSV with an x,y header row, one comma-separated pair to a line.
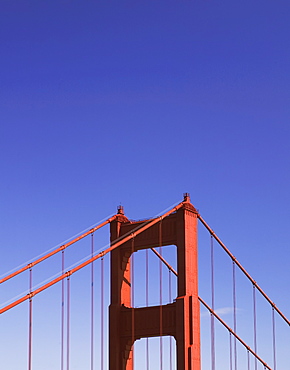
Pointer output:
x,y
120,210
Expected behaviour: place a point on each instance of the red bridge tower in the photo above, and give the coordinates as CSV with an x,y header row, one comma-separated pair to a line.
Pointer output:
x,y
179,319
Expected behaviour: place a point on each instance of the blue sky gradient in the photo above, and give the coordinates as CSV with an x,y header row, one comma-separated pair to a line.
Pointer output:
x,y
136,102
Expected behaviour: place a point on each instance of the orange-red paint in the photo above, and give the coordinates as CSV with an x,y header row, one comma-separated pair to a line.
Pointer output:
x,y
180,319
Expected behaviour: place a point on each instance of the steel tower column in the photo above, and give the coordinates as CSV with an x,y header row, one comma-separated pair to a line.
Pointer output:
x,y
180,319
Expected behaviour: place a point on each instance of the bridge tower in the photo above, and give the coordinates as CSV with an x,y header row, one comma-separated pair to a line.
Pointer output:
x,y
179,319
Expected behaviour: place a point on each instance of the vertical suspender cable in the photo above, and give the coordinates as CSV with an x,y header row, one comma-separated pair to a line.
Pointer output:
x,y
160,295
170,339
92,303
255,324
68,325
102,313
212,305
132,300
30,323
274,338
235,315
248,355
231,352
147,303
62,314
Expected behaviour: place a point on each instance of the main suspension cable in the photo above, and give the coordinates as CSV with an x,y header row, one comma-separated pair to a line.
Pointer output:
x,y
55,251
243,269
116,244
235,335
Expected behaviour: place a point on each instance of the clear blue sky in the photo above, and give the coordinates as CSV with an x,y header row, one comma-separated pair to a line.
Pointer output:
x,y
135,102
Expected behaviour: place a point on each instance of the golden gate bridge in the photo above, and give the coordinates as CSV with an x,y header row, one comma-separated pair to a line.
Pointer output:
x,y
165,293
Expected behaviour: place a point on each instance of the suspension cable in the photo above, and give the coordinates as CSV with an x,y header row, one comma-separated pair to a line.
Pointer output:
x,y
212,305
62,247
68,325
235,335
243,269
92,303
67,274
160,297
147,303
231,352
115,245
170,338
164,261
102,313
93,258
62,314
235,315
30,323
274,338
255,323
231,331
